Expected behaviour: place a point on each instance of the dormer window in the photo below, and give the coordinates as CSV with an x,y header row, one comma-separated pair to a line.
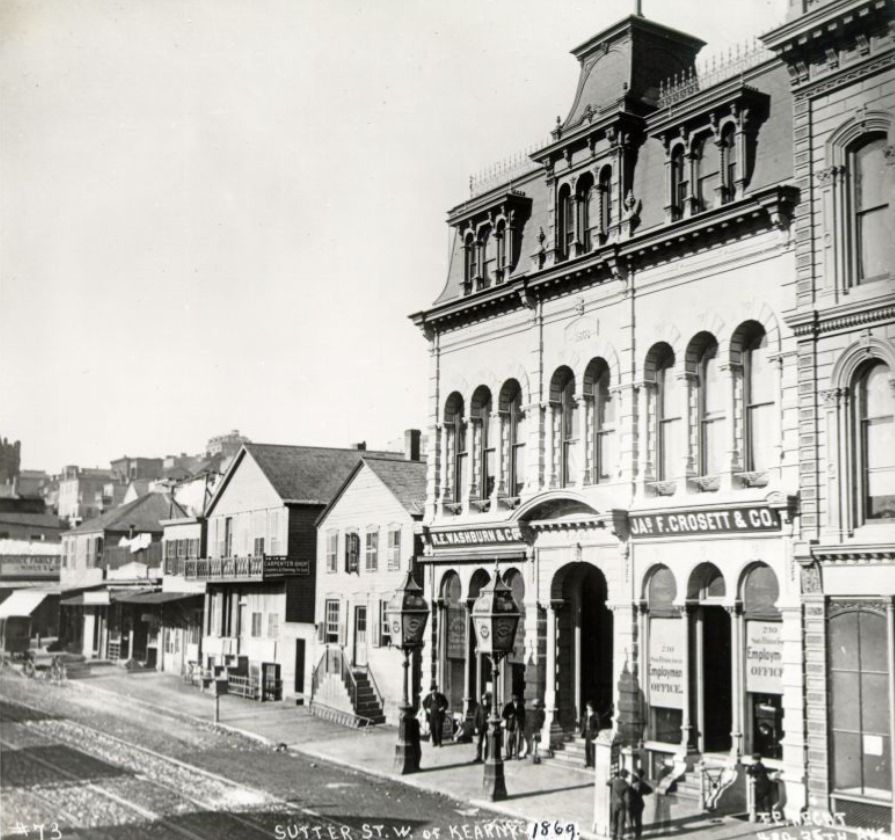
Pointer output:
x,y
706,175
605,191
565,211
584,196
469,261
680,182
728,150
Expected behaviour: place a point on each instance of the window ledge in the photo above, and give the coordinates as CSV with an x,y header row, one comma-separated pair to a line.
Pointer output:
x,y
509,502
453,507
481,505
707,483
755,478
663,488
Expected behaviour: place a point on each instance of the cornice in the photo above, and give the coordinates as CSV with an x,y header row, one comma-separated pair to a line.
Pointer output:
x,y
724,94
506,196
772,205
826,21
848,316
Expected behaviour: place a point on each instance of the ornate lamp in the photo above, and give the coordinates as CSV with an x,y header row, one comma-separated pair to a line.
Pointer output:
x,y
495,616
407,614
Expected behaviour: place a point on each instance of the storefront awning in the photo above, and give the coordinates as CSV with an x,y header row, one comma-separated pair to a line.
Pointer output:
x,y
22,602
154,597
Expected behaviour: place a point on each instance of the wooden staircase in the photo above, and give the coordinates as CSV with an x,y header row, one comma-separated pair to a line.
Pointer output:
x,y
343,694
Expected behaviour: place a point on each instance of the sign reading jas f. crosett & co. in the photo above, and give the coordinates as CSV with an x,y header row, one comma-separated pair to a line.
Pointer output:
x,y
477,536
683,523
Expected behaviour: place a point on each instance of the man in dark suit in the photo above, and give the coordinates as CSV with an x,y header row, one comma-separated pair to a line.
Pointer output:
x,y
514,722
589,728
436,706
618,803
480,720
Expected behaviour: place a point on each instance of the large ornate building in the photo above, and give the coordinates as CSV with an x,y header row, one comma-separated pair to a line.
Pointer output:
x,y
623,409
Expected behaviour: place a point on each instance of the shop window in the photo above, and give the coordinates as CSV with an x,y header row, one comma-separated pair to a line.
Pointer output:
x,y
860,726
258,547
352,552
385,633
332,551
371,555
394,549
874,405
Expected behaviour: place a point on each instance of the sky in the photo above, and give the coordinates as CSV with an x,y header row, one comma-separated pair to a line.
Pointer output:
x,y
219,214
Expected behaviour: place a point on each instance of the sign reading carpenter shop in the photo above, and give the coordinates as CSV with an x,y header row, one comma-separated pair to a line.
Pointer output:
x,y
666,663
30,566
477,536
738,520
764,657
278,565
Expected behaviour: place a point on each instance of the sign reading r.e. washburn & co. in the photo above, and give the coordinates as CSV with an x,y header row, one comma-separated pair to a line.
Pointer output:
x,y
735,520
498,535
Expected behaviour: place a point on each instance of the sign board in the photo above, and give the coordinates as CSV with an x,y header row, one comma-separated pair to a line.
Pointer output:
x,y
278,566
30,566
666,663
685,523
500,535
764,657
456,633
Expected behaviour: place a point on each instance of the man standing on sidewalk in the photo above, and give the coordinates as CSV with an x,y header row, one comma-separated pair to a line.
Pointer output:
x,y
436,705
618,803
514,720
482,714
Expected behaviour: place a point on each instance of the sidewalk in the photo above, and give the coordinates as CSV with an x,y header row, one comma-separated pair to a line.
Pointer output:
x,y
536,792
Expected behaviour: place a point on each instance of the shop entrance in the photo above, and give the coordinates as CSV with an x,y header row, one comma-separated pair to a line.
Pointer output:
x,y
711,636
584,645
716,694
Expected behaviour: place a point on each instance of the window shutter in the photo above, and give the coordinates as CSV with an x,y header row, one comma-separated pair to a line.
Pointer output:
x,y
343,631
377,628
321,631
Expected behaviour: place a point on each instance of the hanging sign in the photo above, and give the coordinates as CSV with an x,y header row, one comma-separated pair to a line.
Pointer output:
x,y
456,633
666,663
738,520
764,657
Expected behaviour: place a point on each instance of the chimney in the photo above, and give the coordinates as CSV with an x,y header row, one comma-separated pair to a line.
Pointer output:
x,y
130,531
412,444
360,447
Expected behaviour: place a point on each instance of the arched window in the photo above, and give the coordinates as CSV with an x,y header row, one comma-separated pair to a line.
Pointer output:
x,y
484,452
874,405
668,417
711,406
596,385
500,242
469,260
871,196
565,236
455,429
568,428
729,164
514,417
707,174
486,249
680,182
759,389
605,188
585,195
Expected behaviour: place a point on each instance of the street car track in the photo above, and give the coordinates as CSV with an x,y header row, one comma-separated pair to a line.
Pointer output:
x,y
283,808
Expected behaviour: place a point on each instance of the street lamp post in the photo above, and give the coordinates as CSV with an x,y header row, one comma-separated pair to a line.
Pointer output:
x,y
407,613
495,616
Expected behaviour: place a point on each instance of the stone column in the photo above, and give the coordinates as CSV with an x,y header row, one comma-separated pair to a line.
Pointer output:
x,y
553,608
737,683
686,723
550,446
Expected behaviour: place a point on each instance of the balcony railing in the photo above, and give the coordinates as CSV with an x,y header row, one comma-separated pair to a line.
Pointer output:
x,y
246,568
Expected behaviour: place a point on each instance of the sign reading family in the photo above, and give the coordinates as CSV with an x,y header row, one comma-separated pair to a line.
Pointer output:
x,y
738,520
477,536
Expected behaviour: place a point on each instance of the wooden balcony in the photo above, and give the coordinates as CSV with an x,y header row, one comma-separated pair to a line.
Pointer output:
x,y
265,567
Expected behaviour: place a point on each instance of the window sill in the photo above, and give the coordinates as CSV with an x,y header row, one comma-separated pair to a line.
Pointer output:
x,y
481,505
662,488
453,507
707,483
755,478
509,502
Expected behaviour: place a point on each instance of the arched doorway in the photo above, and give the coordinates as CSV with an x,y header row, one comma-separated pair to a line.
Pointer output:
x,y
711,677
454,639
583,644
479,667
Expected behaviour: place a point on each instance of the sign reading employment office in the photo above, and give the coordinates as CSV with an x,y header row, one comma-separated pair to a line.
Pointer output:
x,y
764,657
666,663
736,520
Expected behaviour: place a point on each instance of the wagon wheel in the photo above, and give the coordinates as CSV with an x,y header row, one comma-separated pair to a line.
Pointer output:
x,y
29,669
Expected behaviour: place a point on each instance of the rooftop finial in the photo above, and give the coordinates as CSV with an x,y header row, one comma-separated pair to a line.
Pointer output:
x,y
638,8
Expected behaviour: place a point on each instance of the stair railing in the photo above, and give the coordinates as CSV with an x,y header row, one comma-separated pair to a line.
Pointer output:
x,y
373,684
